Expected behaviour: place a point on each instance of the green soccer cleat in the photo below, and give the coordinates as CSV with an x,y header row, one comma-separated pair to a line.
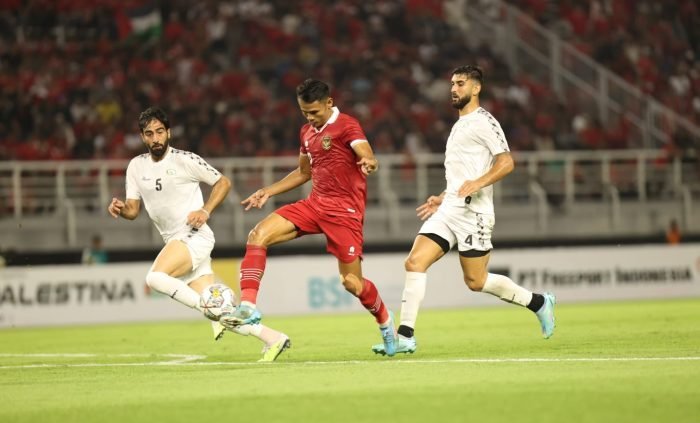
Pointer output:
x,y
271,352
241,315
218,329
546,315
404,346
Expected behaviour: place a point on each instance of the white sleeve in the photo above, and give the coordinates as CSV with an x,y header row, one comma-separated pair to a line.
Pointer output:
x,y
491,135
199,169
132,188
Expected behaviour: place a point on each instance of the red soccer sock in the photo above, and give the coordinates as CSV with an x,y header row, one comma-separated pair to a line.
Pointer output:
x,y
372,301
252,269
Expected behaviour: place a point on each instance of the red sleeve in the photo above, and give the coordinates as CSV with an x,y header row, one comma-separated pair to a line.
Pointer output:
x,y
353,131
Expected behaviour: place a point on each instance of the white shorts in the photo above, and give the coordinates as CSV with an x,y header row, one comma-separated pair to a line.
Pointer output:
x,y
461,226
200,243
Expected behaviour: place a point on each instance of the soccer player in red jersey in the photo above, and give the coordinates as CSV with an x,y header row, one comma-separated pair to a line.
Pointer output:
x,y
337,157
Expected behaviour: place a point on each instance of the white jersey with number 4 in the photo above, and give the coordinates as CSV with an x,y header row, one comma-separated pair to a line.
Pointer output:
x,y
475,139
169,189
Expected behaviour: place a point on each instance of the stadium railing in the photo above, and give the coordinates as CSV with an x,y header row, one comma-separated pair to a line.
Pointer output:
x,y
71,197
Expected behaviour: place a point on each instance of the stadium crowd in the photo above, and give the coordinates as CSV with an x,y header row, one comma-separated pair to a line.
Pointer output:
x,y
654,45
75,73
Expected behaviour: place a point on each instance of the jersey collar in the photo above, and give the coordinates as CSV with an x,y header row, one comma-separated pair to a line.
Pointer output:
x,y
470,113
332,119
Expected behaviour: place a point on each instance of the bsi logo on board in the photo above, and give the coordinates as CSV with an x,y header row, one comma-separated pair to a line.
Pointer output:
x,y
328,293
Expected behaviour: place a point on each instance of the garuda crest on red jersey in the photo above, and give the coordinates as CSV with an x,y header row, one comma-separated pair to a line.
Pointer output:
x,y
326,142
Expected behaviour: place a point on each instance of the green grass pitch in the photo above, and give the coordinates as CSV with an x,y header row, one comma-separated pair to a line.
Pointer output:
x,y
607,362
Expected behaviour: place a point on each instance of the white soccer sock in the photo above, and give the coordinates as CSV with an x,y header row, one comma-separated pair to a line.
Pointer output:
x,y
173,288
265,334
504,288
246,330
413,294
269,336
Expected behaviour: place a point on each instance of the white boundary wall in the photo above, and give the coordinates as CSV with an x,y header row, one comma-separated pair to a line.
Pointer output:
x,y
112,293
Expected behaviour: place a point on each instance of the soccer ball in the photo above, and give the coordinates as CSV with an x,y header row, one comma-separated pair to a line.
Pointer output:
x,y
217,299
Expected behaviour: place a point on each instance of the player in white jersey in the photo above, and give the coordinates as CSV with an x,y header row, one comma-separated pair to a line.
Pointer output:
x,y
476,156
167,181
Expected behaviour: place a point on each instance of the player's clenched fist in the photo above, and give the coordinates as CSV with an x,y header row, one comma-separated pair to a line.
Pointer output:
x,y
115,207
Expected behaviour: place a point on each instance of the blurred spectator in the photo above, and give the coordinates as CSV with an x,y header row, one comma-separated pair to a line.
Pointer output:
x,y
673,233
95,253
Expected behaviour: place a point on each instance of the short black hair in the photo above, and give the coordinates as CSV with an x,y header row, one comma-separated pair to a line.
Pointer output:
x,y
313,90
150,114
472,72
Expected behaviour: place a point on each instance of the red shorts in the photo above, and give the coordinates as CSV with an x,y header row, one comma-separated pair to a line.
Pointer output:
x,y
344,235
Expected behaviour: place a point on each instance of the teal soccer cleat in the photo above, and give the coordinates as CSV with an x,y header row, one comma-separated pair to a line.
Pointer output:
x,y
405,346
389,336
546,315
241,315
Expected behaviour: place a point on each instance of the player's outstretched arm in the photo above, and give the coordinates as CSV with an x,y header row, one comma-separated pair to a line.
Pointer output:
x,y
295,178
128,210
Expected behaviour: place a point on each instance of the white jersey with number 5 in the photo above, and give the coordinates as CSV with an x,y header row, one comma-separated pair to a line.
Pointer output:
x,y
475,139
169,189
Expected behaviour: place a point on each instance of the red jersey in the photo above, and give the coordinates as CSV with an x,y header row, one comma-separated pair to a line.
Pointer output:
x,y
338,183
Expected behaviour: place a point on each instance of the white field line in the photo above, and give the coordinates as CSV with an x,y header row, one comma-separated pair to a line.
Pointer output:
x,y
195,360
175,359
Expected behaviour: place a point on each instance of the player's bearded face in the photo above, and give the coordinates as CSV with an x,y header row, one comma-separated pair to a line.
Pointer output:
x,y
459,102
156,138
463,90
158,149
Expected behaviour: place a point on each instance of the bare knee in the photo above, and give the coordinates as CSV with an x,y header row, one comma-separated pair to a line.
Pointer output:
x,y
257,236
473,283
413,264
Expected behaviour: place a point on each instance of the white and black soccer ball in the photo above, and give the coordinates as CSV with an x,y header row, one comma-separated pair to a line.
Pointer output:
x,y
217,299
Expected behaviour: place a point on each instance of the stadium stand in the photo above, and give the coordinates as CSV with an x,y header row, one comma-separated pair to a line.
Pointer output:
x,y
653,45
75,73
